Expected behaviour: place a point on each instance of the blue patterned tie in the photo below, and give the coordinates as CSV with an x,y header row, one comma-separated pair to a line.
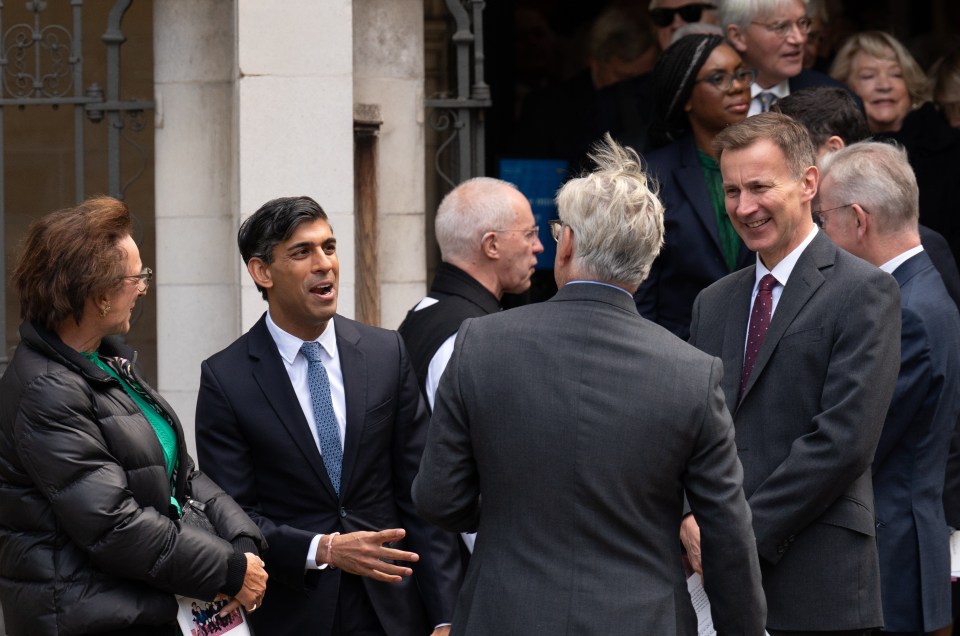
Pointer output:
x,y
767,100
323,416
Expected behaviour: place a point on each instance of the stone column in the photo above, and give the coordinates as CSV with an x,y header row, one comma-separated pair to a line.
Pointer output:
x,y
295,124
388,72
197,283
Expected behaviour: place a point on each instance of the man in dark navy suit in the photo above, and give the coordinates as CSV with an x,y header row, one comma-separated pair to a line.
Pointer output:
x,y
869,205
315,424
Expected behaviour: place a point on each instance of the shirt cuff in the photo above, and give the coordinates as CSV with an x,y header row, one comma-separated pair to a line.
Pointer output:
x,y
312,554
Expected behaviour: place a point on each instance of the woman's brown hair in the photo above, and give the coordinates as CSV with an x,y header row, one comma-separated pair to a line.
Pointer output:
x,y
69,256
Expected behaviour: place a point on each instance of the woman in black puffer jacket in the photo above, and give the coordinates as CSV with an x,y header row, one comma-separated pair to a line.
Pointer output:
x,y
94,468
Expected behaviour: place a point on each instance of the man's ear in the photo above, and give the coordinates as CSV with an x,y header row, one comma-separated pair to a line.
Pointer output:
x,y
809,183
862,220
490,245
735,37
833,143
260,272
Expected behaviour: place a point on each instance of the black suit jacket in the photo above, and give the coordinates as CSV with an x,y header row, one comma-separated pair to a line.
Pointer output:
x,y
253,437
691,257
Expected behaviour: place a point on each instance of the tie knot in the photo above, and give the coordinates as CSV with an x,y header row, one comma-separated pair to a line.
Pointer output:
x,y
767,99
311,351
767,283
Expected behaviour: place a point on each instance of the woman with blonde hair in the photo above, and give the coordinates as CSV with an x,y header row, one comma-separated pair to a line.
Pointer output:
x,y
896,100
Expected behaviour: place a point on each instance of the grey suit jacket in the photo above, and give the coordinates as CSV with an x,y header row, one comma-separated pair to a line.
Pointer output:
x,y
582,424
807,427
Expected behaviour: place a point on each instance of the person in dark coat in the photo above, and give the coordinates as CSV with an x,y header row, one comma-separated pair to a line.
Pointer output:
x,y
94,469
868,195
702,86
896,98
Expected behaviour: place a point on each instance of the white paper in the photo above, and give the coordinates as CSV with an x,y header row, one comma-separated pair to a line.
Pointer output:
x,y
701,604
199,618
955,554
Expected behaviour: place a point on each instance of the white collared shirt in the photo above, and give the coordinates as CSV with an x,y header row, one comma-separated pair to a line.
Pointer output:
x,y
781,271
781,90
895,262
296,365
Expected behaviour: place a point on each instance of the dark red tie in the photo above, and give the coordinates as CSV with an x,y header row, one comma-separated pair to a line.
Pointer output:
x,y
759,322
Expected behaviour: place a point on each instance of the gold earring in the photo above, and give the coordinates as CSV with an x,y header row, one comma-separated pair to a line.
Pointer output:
x,y
105,310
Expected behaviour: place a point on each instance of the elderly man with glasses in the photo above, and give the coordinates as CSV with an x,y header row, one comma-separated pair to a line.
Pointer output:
x,y
868,205
770,35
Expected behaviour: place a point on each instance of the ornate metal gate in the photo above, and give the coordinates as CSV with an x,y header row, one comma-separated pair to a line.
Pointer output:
x,y
41,64
463,115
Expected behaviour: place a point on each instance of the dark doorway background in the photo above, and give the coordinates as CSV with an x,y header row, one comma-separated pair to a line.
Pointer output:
x,y
533,43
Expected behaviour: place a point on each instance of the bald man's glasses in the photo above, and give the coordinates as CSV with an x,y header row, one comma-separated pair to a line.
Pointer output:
x,y
688,13
529,235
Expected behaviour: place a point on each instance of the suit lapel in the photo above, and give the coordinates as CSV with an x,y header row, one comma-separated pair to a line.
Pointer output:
x,y
735,336
271,375
690,179
804,281
353,365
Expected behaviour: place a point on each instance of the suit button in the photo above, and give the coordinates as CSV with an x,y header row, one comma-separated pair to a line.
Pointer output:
x,y
343,513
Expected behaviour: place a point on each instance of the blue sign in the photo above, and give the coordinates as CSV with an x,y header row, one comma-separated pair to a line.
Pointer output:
x,y
538,180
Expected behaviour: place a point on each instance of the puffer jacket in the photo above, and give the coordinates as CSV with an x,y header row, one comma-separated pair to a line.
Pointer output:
x,y
88,539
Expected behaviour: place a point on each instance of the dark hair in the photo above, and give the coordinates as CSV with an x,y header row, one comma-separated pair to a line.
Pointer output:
x,y
272,224
69,256
673,79
787,134
826,111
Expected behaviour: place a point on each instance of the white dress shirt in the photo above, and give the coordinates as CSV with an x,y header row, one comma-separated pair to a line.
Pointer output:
x,y
296,365
781,271
900,259
781,90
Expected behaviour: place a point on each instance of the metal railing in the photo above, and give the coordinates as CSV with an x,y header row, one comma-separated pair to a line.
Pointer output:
x,y
42,65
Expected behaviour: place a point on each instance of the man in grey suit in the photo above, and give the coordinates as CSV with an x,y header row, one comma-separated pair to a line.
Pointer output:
x,y
585,423
808,387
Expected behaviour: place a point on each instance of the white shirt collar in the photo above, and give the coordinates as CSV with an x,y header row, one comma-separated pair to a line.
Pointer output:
x,y
782,270
289,345
900,259
781,90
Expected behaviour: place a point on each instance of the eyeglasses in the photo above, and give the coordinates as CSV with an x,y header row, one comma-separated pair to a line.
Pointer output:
x,y
556,227
529,234
688,13
143,279
820,220
784,27
723,81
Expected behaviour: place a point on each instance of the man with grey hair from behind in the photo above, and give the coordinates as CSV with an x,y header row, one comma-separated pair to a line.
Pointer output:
x,y
585,423
869,206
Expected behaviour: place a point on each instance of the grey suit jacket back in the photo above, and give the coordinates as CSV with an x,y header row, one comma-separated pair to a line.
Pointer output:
x,y
581,423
